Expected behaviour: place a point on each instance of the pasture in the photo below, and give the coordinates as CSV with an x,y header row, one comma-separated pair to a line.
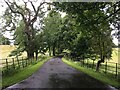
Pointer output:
x,y
115,55
6,49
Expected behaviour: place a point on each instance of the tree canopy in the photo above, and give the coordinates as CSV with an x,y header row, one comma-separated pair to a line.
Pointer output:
x,y
85,31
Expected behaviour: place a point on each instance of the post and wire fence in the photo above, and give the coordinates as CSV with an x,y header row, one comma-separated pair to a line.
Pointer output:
x,y
9,65
106,67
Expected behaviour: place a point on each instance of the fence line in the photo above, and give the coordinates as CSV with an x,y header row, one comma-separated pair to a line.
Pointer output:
x,y
15,63
107,67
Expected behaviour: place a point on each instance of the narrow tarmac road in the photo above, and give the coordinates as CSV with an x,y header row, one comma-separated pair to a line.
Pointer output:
x,y
56,74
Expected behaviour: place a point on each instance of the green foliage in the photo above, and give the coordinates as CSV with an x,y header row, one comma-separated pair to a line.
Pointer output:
x,y
40,43
93,33
19,34
85,30
20,40
80,47
52,30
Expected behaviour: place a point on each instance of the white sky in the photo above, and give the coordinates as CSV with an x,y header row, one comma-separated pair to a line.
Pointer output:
x,y
7,34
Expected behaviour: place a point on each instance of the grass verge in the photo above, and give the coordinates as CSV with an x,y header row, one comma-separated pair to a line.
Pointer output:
x,y
22,74
99,76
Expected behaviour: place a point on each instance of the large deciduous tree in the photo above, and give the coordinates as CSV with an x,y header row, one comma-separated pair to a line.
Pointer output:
x,y
29,14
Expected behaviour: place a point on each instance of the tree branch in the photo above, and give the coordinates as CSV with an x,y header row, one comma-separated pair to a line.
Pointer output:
x,y
18,6
113,13
36,14
33,7
15,11
105,18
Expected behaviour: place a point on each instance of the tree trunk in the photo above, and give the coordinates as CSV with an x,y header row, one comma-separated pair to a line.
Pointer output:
x,y
36,55
99,62
53,50
49,51
29,41
30,54
30,50
102,55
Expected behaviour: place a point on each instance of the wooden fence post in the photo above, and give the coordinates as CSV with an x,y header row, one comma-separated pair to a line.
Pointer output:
x,y
7,64
83,63
13,63
31,60
22,62
93,65
26,62
18,62
106,67
87,64
116,70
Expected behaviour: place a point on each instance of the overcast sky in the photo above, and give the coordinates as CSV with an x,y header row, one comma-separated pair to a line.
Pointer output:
x,y
7,34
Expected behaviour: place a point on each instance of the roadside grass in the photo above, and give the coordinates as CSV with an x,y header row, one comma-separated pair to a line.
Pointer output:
x,y
22,74
99,76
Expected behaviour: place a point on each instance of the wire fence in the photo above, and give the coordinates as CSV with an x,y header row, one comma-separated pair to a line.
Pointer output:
x,y
10,65
107,67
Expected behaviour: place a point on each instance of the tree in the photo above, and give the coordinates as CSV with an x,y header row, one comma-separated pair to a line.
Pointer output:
x,y
40,44
101,43
29,16
20,40
93,20
52,25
